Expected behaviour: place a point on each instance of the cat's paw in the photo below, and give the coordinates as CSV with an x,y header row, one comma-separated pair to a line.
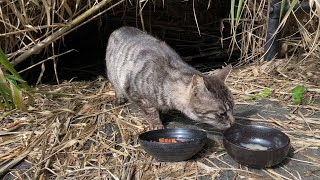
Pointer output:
x,y
157,127
121,101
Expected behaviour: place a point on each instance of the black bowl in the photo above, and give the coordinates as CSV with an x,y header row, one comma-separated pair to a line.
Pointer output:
x,y
173,152
256,146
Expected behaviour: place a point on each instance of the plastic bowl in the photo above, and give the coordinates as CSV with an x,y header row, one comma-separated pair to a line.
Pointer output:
x,y
173,152
255,145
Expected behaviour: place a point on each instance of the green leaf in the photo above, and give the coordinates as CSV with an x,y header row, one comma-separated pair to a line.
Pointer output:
x,y
293,3
232,13
5,92
17,96
265,93
235,20
283,3
4,89
238,12
5,96
2,106
11,85
3,79
12,77
297,94
5,62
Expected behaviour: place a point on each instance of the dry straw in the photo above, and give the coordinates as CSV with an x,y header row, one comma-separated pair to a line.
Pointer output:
x,y
75,130
29,27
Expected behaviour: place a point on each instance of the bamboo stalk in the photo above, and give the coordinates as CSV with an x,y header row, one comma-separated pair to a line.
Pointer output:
x,y
58,34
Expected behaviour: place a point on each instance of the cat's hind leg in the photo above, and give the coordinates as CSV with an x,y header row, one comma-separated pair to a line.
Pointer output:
x,y
121,98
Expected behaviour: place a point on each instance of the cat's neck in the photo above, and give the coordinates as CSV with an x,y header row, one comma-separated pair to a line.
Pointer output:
x,y
180,96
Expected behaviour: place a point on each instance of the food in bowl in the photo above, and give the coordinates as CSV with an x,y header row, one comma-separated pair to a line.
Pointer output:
x,y
252,146
188,143
256,145
170,140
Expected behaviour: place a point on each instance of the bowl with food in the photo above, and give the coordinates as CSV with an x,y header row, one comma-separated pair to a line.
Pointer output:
x,y
255,145
172,145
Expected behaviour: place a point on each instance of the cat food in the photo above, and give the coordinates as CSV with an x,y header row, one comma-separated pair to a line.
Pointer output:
x,y
254,146
169,140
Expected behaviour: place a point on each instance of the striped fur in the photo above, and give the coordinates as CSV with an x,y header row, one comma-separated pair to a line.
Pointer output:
x,y
147,72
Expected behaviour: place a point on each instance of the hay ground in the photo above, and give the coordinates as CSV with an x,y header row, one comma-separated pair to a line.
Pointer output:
x,y
75,130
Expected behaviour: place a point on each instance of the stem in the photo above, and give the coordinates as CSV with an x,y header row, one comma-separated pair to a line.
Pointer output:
x,y
39,46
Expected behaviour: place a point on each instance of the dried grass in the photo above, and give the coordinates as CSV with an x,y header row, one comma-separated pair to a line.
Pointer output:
x,y
299,31
28,27
76,131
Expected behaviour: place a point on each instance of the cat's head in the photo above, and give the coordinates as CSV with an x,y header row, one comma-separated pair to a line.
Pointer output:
x,y
210,99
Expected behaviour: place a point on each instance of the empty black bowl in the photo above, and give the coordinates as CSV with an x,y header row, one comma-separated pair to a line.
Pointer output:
x,y
255,145
173,152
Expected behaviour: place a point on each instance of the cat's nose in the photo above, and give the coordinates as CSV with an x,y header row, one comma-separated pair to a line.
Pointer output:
x,y
228,125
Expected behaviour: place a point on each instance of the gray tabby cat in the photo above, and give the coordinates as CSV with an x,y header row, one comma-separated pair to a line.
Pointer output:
x,y
148,73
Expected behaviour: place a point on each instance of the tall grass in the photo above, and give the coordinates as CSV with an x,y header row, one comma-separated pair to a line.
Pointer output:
x,y
13,88
300,31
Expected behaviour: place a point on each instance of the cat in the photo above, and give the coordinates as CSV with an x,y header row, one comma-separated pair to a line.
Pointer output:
x,y
150,74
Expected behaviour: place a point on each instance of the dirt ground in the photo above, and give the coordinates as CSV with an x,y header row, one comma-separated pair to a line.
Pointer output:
x,y
76,131
302,165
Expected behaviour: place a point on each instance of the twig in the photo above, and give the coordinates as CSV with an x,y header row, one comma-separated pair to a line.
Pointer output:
x,y
39,46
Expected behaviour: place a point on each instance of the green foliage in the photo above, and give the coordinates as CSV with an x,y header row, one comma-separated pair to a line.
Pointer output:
x,y
235,20
232,13
12,86
283,3
264,94
5,62
297,94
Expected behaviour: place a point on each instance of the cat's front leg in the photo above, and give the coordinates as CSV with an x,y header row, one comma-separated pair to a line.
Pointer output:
x,y
150,113
152,117
121,100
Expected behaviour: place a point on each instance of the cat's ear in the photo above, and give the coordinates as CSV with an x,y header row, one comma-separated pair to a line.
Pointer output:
x,y
223,73
197,84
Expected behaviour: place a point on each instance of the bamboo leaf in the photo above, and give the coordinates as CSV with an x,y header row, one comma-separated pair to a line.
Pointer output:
x,y
283,3
232,13
3,79
5,62
2,106
17,96
12,77
294,2
5,92
239,12
4,89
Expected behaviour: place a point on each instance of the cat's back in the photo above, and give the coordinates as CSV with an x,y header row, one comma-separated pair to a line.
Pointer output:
x,y
126,34
130,48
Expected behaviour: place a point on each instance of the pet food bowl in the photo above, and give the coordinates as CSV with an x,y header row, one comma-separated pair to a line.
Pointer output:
x,y
188,143
255,145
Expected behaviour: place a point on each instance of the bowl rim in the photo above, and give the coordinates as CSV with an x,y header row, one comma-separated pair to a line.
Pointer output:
x,y
257,150
203,134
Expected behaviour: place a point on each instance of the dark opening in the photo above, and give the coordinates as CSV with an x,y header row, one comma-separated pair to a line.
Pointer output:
x,y
174,22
